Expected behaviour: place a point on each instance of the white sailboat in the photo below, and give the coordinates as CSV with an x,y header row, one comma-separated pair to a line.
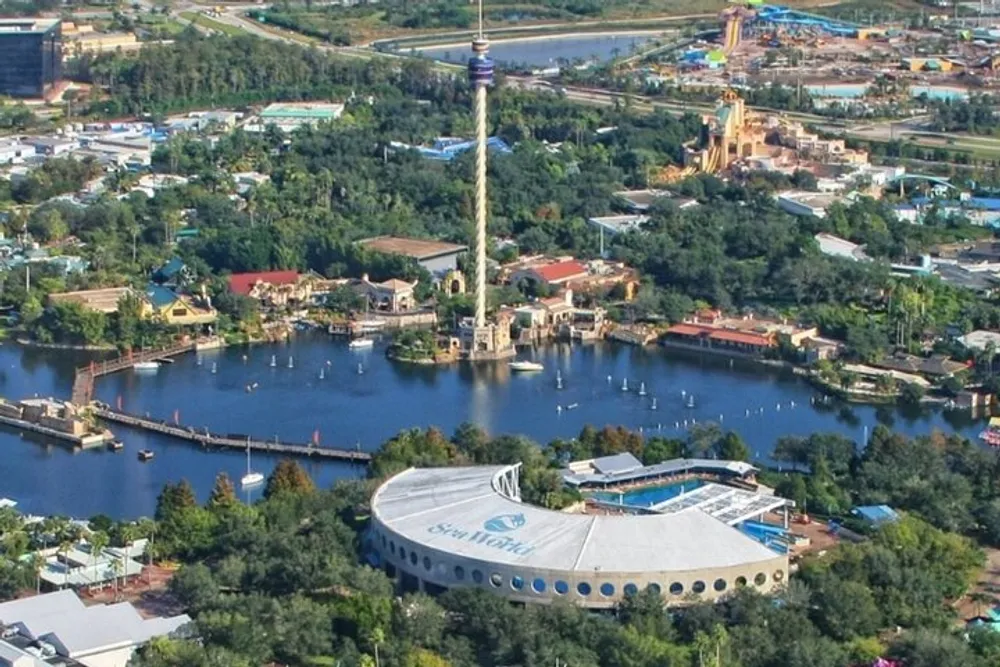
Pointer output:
x,y
251,478
274,361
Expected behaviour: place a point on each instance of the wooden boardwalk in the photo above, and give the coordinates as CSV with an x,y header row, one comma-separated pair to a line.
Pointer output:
x,y
231,441
83,380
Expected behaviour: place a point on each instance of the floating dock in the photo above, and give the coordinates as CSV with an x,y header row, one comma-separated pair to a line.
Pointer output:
x,y
87,441
231,441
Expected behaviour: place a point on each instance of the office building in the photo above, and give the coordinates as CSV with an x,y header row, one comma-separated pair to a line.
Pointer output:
x,y
30,56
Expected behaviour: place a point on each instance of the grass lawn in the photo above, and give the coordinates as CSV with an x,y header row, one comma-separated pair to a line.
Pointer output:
x,y
211,24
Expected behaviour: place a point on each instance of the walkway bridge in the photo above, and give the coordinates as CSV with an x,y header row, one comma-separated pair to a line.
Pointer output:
x,y
234,441
83,380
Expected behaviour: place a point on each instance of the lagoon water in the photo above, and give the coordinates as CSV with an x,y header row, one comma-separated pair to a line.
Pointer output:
x,y
363,410
545,52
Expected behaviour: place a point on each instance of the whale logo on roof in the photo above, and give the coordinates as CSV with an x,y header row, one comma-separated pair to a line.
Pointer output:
x,y
505,523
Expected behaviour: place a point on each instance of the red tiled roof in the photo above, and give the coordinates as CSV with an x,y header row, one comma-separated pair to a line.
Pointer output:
x,y
688,330
742,337
551,273
243,283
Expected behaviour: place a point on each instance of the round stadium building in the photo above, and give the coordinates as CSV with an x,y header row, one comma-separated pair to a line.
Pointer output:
x,y
438,528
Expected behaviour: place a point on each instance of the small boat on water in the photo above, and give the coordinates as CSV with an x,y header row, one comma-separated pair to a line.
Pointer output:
x,y
251,478
274,361
991,436
116,445
145,454
146,366
525,366
361,344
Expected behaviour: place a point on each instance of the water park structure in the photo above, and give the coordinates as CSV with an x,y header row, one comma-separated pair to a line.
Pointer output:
x,y
730,133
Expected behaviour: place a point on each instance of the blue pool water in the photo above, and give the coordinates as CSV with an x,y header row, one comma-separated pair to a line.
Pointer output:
x,y
649,496
852,90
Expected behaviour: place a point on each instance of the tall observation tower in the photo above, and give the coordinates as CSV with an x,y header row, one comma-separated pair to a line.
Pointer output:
x,y
482,339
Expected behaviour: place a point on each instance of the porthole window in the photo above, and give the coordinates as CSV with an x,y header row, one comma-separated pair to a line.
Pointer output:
x,y
760,579
655,588
459,572
676,588
719,585
392,548
538,585
778,576
741,582
496,580
607,589
383,540
583,588
427,563
517,583
698,587
562,588
413,557
402,554
630,589
477,576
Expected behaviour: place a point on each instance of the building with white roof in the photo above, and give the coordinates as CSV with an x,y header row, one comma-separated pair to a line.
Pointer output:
x,y
58,625
437,528
834,246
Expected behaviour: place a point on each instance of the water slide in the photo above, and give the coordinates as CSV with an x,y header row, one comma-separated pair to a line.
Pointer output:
x,y
734,25
714,159
785,17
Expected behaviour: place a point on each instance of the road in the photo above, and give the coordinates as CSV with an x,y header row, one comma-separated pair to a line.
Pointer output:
x,y
909,129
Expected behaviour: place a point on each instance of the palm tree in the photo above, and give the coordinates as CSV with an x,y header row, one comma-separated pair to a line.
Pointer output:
x,y
38,564
98,541
980,598
64,546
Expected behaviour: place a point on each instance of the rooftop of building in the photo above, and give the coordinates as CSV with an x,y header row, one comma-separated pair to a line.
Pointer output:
x,y
641,200
561,270
814,200
77,631
619,223
103,300
420,249
312,110
27,24
834,246
243,283
979,339
440,508
626,469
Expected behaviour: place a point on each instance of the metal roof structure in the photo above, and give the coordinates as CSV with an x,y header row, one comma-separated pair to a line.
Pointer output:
x,y
728,504
476,513
75,630
664,469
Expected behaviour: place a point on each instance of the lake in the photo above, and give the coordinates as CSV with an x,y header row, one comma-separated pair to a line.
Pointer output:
x,y
545,51
362,410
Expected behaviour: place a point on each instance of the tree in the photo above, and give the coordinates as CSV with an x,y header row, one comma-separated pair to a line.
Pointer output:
x,y
223,494
732,448
288,477
175,498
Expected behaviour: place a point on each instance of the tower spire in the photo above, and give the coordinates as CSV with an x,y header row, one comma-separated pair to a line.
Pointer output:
x,y
480,76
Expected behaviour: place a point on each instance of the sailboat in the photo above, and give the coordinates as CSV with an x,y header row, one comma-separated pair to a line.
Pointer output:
x,y
251,478
215,368
642,388
291,363
361,369
274,361
322,373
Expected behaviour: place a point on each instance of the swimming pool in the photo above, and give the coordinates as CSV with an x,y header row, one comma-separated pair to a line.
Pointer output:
x,y
853,90
648,496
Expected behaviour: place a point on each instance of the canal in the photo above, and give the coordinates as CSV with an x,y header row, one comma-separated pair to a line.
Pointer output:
x,y
352,409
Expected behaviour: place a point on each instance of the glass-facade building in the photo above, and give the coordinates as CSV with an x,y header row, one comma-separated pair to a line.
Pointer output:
x,y
30,56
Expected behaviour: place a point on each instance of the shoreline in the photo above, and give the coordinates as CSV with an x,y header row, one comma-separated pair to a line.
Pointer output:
x,y
27,342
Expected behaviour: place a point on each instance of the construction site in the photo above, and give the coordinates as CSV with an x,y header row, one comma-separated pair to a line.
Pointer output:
x,y
833,60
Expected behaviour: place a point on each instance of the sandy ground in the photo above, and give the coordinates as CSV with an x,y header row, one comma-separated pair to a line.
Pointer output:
x,y
148,593
988,583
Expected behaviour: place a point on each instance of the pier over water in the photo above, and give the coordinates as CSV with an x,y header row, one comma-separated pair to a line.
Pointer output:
x,y
206,438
